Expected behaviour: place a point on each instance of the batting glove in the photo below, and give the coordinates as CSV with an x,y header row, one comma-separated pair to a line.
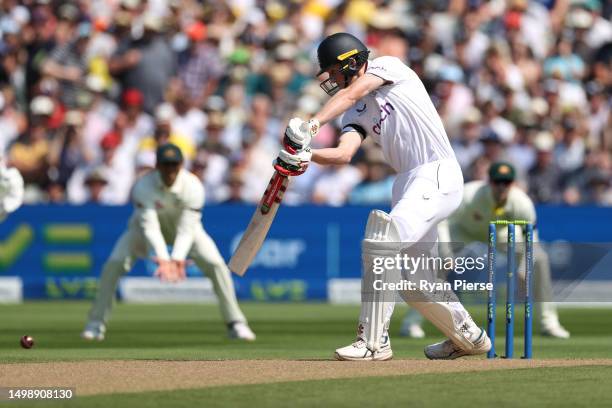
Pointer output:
x,y
293,164
299,134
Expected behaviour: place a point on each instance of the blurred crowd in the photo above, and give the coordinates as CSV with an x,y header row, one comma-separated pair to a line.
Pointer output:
x,y
89,88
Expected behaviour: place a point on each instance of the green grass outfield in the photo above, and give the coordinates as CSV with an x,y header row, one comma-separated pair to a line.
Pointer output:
x,y
306,331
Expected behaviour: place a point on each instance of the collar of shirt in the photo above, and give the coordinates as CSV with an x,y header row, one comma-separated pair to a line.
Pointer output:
x,y
174,188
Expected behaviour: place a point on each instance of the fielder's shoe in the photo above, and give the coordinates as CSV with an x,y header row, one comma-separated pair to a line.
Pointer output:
x,y
447,350
94,331
412,330
359,352
240,331
555,330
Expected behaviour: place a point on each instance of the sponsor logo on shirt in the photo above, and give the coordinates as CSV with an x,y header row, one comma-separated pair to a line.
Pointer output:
x,y
377,67
361,110
385,112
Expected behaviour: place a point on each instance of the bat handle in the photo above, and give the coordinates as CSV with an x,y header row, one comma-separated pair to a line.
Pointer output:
x,y
274,192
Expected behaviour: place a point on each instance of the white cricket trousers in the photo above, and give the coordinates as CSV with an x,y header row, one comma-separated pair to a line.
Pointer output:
x,y
132,245
425,196
421,199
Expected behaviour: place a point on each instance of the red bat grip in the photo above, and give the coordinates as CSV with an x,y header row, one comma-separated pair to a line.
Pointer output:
x,y
274,192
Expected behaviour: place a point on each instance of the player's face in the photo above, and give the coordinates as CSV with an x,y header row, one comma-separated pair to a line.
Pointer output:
x,y
500,190
168,172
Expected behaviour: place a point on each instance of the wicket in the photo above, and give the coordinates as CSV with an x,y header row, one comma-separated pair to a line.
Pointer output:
x,y
510,286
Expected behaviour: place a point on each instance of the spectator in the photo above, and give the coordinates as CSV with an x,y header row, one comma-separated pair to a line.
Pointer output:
x,y
68,65
119,175
146,64
96,183
165,133
569,154
67,150
467,144
30,152
188,120
377,182
200,66
545,177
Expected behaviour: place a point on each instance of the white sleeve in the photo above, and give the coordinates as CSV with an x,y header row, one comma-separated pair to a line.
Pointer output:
x,y
391,69
189,220
12,196
148,221
524,208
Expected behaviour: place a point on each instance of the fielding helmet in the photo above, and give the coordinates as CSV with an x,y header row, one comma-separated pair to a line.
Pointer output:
x,y
344,49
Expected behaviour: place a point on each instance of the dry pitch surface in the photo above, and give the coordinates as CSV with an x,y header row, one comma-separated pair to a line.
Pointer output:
x,y
105,377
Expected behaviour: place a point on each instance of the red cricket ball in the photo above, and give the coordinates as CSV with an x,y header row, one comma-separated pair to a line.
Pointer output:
x,y
26,342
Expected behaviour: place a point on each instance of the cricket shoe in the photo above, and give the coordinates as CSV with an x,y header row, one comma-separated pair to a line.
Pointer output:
x,y
94,331
555,330
412,330
240,331
358,351
447,350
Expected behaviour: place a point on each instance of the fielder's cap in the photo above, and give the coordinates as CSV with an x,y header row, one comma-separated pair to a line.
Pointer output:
x,y
501,171
168,154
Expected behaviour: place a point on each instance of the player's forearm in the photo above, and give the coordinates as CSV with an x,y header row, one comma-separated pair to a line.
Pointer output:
x,y
152,232
336,106
331,156
185,233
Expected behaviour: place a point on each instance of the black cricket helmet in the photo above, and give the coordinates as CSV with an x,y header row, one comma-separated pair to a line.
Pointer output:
x,y
344,49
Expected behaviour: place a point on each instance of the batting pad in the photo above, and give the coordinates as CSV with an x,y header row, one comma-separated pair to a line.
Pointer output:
x,y
381,241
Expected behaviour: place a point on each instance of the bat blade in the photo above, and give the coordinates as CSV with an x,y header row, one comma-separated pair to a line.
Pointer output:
x,y
256,232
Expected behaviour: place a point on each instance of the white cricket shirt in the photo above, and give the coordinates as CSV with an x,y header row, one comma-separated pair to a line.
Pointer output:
x,y
400,117
168,215
11,190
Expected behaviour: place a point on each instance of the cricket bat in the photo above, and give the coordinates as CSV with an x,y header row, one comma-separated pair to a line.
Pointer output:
x,y
256,232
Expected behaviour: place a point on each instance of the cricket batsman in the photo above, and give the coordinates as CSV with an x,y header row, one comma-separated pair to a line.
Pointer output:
x,y
497,199
385,100
168,205
11,189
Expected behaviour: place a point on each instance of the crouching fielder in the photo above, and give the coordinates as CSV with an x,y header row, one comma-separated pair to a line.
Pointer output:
x,y
11,189
499,198
168,203
385,100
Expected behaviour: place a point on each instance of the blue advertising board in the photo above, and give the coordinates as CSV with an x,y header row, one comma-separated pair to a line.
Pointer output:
x,y
58,251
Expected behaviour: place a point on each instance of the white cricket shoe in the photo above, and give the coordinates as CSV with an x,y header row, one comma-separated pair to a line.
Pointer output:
x,y
359,352
412,330
94,331
447,350
240,331
555,330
